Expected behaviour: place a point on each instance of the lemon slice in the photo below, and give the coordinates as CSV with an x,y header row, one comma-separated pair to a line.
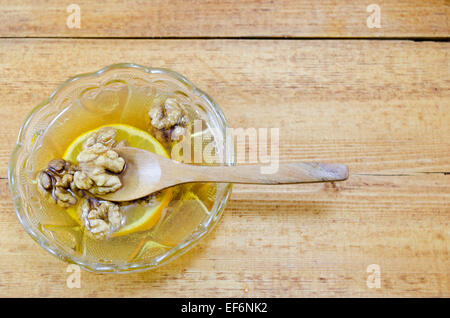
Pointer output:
x,y
136,138
146,216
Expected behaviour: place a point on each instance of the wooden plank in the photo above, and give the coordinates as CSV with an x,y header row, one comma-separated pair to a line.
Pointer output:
x,y
380,106
243,18
314,246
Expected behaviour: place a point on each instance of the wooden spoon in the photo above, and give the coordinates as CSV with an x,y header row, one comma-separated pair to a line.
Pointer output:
x,y
147,172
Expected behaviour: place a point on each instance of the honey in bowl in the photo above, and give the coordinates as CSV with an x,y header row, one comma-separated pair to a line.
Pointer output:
x,y
69,172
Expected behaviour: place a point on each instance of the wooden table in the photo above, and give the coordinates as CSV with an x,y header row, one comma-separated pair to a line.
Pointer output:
x,y
377,99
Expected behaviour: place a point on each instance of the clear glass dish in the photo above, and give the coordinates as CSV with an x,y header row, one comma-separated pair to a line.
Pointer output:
x,y
105,85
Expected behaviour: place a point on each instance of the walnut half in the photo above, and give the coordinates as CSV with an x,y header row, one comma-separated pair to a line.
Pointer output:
x,y
170,122
101,218
57,181
99,163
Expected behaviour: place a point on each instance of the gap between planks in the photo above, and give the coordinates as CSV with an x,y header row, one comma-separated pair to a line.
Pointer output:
x,y
256,38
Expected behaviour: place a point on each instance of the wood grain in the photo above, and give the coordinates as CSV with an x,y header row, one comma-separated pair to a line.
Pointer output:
x,y
382,107
229,18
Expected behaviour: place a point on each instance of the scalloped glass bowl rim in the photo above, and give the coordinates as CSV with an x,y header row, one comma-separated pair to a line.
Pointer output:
x,y
175,251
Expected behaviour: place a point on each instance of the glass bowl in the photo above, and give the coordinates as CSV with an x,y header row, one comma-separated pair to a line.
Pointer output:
x,y
112,85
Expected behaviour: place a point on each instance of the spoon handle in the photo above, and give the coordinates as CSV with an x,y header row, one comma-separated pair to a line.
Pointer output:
x,y
297,172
